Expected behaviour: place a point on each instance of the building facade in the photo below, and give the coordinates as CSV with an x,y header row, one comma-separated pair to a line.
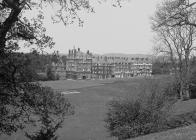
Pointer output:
x,y
80,65
102,71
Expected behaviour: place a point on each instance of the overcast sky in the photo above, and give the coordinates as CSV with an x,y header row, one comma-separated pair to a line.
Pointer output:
x,y
109,30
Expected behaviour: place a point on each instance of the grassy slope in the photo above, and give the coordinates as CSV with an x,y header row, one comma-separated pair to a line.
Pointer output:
x,y
64,85
91,107
185,133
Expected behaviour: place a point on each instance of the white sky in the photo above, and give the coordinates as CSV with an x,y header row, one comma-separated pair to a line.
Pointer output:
x,y
109,30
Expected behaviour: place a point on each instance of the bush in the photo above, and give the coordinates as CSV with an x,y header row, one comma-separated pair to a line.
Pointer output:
x,y
130,119
49,111
50,74
57,77
147,114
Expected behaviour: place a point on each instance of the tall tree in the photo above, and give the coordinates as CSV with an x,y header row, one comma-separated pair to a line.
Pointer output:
x,y
15,88
50,111
177,40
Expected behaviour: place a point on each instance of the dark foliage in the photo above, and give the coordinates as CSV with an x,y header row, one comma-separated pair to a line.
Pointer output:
x,y
49,109
193,83
128,119
148,114
42,135
159,67
19,98
13,98
50,74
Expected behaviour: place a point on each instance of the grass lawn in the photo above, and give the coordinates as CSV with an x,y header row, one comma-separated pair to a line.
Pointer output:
x,y
90,108
75,84
185,133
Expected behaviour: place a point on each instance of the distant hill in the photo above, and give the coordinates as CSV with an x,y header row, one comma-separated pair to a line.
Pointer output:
x,y
128,55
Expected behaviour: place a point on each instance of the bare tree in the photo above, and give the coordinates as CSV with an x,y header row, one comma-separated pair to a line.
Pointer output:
x,y
177,41
176,13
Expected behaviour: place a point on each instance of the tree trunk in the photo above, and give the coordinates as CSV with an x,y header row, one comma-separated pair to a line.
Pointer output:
x,y
2,46
187,73
181,90
180,65
6,26
187,93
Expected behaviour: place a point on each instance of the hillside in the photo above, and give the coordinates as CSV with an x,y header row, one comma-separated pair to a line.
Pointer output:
x,y
185,133
91,103
128,55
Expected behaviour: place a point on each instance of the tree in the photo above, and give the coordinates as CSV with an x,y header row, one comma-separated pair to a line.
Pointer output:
x,y
176,40
15,96
50,110
161,65
50,74
15,26
176,13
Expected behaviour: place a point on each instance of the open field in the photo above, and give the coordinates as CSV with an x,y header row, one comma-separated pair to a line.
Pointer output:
x,y
91,106
62,85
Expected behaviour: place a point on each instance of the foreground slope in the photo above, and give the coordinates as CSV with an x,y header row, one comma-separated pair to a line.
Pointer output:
x,y
91,106
185,133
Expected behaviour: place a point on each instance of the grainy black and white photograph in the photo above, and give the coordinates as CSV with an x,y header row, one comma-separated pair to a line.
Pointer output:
x,y
97,69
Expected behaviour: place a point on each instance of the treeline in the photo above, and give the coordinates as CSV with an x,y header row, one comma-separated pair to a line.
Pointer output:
x,y
38,67
164,66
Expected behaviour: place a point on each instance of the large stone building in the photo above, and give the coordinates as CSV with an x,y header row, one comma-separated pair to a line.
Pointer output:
x,y
80,65
101,69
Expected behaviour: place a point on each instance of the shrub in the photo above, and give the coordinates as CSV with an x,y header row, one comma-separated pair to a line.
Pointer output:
x,y
57,77
50,74
147,114
49,111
